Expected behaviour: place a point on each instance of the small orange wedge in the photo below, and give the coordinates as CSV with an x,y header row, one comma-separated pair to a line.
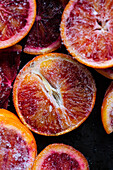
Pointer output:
x,y
108,72
107,110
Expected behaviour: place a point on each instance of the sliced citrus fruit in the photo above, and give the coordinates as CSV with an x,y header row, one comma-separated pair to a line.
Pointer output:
x,y
53,94
60,156
44,36
9,64
16,20
108,72
107,110
17,144
87,32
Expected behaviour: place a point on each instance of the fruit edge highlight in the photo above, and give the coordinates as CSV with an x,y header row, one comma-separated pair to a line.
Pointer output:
x,y
107,110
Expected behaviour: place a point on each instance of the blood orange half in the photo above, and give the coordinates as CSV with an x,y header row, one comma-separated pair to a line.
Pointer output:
x,y
16,20
87,32
17,144
60,156
107,110
9,64
53,94
44,37
108,72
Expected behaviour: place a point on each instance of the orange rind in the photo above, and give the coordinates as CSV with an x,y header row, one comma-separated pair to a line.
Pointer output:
x,y
107,110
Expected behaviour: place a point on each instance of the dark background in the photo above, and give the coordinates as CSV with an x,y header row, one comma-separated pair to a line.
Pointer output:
x,y
90,138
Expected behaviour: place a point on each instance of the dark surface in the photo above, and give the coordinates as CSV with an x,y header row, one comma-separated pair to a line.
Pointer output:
x,y
90,138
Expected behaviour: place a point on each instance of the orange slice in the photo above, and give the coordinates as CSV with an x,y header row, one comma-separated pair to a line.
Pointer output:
x,y
17,144
61,156
16,20
108,72
53,94
107,110
86,31
44,36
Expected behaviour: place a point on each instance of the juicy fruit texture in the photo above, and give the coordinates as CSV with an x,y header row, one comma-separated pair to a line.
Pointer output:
x,y
61,156
9,64
17,144
44,36
13,142
16,19
87,32
108,72
107,110
53,94
56,160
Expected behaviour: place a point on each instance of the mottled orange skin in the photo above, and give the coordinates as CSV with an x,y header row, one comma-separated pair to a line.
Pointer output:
x,y
107,110
8,114
75,155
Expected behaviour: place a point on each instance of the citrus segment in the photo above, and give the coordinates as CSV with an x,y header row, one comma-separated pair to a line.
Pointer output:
x,y
17,144
9,64
53,94
44,36
86,30
16,20
107,110
108,72
60,155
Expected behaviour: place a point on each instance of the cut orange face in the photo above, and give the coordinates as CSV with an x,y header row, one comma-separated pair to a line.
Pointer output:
x,y
44,36
108,72
87,32
60,155
53,94
107,110
16,20
17,144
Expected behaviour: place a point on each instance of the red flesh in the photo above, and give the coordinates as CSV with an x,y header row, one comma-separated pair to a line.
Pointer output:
x,y
9,64
45,30
13,17
89,31
60,161
44,115
14,152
